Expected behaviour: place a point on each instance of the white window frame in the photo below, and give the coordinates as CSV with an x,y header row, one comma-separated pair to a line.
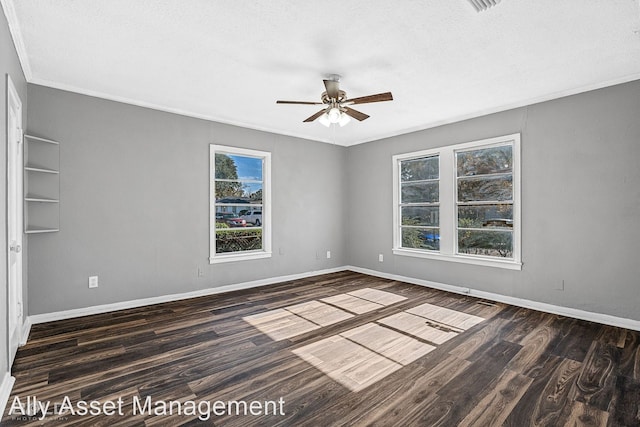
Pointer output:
x,y
448,207
265,252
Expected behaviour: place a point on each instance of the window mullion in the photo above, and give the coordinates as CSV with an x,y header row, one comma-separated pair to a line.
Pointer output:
x,y
447,202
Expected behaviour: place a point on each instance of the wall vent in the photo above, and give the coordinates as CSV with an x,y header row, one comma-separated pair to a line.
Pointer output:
x,y
481,5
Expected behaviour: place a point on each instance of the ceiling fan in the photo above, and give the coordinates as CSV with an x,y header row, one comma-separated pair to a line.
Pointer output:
x,y
337,104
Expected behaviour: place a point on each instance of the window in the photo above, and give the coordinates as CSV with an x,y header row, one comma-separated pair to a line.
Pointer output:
x,y
239,204
419,203
460,203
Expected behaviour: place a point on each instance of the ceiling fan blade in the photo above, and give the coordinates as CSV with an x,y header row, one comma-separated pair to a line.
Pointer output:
x,y
333,88
299,102
379,97
315,116
355,114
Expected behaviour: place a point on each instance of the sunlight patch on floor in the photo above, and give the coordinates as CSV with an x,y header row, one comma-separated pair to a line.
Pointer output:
x,y
446,316
280,324
362,356
297,319
359,357
418,327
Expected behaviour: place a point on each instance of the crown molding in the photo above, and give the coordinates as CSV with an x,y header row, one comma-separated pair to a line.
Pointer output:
x,y
16,35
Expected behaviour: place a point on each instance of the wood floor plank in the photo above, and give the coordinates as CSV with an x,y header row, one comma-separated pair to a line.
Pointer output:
x,y
596,382
418,327
625,409
573,338
374,351
388,343
404,399
530,359
489,333
496,406
585,415
351,303
629,365
545,400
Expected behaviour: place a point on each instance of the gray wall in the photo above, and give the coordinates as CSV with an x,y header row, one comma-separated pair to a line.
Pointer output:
x,y
134,190
580,202
9,64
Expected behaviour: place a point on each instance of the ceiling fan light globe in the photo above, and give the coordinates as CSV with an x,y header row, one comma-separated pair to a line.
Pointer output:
x,y
334,115
344,120
324,120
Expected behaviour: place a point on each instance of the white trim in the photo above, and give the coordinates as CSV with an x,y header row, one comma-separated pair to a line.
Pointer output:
x,y
448,203
590,316
329,140
26,329
8,380
500,108
179,111
239,256
16,35
14,226
104,308
475,260
518,302
5,391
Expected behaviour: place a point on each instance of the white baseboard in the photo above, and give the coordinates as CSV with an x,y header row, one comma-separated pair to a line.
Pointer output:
x,y
519,302
5,391
26,328
104,308
605,319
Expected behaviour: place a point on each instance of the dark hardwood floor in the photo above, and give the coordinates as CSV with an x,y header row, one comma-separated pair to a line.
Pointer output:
x,y
330,350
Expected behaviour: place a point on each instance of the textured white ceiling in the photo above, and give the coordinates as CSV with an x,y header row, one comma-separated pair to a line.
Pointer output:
x,y
230,60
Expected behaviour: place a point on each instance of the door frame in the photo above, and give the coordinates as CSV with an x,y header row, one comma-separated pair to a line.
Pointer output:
x,y
14,220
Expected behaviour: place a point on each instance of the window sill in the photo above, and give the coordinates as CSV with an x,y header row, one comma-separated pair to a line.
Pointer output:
x,y
238,257
483,261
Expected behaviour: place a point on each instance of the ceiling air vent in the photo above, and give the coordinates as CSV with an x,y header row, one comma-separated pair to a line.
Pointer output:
x,y
481,5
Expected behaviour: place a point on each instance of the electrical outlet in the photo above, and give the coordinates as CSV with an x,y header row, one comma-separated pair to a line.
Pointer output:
x,y
560,285
328,254
200,272
93,281
380,258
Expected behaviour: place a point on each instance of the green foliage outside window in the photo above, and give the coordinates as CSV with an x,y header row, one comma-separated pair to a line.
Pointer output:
x,y
238,240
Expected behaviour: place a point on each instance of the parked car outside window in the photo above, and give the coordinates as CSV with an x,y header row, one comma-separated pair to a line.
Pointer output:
x,y
253,217
231,219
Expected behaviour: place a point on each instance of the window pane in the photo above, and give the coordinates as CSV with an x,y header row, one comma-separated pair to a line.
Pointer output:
x,y
420,215
229,217
420,192
237,240
243,168
496,243
421,238
485,189
485,161
489,216
238,192
419,169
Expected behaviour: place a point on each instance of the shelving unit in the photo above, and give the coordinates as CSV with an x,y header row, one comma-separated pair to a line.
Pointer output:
x,y
41,185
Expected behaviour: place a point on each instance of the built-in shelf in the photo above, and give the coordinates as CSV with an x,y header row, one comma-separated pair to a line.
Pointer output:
x,y
33,168
35,230
40,139
36,198
41,185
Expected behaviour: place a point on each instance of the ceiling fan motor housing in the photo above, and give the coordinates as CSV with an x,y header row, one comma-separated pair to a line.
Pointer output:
x,y
342,95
